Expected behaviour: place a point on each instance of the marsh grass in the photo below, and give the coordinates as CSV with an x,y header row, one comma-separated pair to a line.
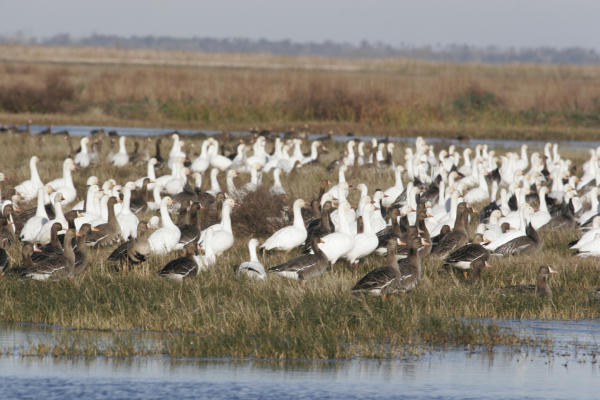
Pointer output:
x,y
217,314
389,97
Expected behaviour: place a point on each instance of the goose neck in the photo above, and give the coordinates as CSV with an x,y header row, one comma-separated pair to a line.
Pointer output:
x,y
252,250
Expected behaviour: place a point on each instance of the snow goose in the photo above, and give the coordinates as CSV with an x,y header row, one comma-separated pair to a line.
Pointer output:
x,y
164,239
239,162
121,158
128,221
43,236
83,158
253,268
218,160
277,189
366,242
182,267
591,248
176,153
337,244
209,258
65,184
333,192
150,173
291,236
202,162
34,224
393,193
481,191
222,234
587,216
314,153
589,235
542,216
525,213
215,187
28,189
156,199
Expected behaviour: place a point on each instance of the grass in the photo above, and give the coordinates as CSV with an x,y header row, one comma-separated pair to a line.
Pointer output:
x,y
217,314
240,91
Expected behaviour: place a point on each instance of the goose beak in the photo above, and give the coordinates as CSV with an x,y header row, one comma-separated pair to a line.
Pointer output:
x,y
552,271
487,265
94,229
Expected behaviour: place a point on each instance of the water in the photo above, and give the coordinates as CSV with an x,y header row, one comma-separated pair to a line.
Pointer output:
x,y
84,130
568,371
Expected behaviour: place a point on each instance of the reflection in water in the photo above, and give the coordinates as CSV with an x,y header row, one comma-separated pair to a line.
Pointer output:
x,y
503,373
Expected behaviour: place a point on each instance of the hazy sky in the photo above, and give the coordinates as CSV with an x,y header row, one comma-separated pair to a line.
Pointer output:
x,y
558,23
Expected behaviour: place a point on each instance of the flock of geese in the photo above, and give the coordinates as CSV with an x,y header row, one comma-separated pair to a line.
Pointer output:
x,y
425,213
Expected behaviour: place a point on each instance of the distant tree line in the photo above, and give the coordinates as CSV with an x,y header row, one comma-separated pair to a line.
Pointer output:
x,y
453,52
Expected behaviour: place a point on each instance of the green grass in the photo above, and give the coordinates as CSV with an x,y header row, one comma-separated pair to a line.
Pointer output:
x,y
217,314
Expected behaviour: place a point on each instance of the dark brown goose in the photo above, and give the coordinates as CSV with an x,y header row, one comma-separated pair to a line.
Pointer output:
x,y
395,276
190,232
443,232
319,228
305,266
464,257
106,234
81,250
133,251
57,267
459,235
182,267
542,285
528,244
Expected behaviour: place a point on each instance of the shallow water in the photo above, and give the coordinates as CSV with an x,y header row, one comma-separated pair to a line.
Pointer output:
x,y
84,130
570,372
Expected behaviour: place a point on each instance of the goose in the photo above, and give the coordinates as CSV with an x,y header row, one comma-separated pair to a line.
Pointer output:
x,y
121,158
134,251
305,266
150,173
221,233
209,258
464,257
277,189
341,187
155,204
542,285
83,158
183,267
215,187
82,204
586,217
165,239
337,244
190,232
479,193
108,233
43,236
28,189
589,235
459,235
529,244
81,250
65,184
525,213
92,208
57,267
253,268
217,160
34,224
291,236
391,194
318,227
128,221
366,242
52,248
542,216
202,162
386,279
176,153
590,248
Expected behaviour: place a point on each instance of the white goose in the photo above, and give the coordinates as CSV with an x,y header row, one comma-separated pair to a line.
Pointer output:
x,y
202,162
392,193
253,268
277,189
28,189
366,242
83,158
164,239
542,216
43,236
176,153
128,221
65,184
34,224
215,187
291,236
121,158
208,259
335,245
589,235
150,173
218,160
222,234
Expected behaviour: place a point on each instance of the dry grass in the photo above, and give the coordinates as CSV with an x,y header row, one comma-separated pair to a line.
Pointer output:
x,y
217,314
228,90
